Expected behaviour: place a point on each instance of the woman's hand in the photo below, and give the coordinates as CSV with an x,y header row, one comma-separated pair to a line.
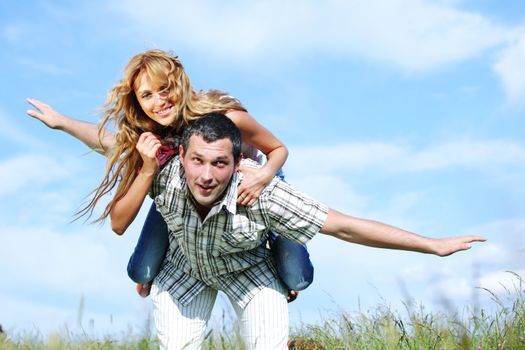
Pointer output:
x,y
88,133
253,183
147,146
46,114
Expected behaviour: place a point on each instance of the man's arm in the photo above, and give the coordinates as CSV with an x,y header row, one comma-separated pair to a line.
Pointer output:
x,y
376,234
83,131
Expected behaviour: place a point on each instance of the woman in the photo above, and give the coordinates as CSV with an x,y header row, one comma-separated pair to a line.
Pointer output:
x,y
155,95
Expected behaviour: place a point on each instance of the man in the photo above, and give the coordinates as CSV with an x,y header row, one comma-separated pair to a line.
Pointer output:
x,y
223,244
216,244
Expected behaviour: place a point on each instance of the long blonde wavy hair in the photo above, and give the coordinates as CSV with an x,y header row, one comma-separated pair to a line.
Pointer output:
x,y
129,120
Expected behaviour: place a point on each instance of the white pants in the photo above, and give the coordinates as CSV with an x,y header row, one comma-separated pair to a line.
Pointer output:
x,y
263,322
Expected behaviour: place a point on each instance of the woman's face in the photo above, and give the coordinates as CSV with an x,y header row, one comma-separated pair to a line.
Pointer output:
x,y
155,100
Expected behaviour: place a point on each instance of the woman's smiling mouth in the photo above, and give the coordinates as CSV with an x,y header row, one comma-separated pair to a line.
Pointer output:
x,y
165,112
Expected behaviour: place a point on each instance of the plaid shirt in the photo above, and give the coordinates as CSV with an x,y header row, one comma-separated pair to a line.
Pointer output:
x,y
227,250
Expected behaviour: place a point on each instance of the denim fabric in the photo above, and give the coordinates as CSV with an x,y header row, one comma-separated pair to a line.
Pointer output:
x,y
280,174
292,261
144,263
291,258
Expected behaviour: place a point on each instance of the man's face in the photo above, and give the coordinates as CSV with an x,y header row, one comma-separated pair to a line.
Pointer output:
x,y
208,168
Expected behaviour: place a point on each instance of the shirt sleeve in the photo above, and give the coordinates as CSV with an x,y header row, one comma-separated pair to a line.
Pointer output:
x,y
292,213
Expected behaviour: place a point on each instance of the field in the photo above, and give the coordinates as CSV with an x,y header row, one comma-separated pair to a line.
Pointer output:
x,y
503,328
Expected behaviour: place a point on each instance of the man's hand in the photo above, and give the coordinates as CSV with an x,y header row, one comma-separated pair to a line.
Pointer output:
x,y
46,114
450,245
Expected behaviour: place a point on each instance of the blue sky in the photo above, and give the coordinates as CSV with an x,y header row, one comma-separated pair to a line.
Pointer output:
x,y
409,112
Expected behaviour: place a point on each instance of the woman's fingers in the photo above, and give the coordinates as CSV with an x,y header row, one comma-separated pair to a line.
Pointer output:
x,y
148,143
245,196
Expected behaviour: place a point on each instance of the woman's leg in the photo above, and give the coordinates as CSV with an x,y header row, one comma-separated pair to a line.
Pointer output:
x,y
292,261
144,263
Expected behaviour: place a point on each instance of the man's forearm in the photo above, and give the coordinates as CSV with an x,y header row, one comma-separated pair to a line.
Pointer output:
x,y
379,235
373,233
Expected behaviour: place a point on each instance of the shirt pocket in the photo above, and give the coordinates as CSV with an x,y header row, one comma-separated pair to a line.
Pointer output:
x,y
243,235
176,228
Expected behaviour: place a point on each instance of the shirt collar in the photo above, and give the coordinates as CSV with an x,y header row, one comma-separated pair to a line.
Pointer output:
x,y
229,201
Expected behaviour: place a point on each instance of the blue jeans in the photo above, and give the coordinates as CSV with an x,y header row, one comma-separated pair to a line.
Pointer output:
x,y
292,261
291,258
144,263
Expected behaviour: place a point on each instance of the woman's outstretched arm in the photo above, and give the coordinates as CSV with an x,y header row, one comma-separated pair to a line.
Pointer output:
x,y
83,131
379,235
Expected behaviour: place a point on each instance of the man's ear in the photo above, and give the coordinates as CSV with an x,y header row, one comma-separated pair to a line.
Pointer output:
x,y
238,162
181,152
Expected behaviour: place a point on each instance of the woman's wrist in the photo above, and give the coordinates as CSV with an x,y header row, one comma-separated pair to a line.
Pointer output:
x,y
268,174
148,172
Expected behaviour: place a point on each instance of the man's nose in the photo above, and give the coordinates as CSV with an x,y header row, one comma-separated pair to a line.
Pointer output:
x,y
206,174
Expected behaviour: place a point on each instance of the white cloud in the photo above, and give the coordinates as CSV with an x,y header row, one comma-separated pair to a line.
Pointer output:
x,y
411,34
505,245
455,288
29,170
36,65
511,69
34,317
329,189
349,156
502,282
492,253
400,158
51,266
469,153
58,262
485,266
12,32
10,130
456,280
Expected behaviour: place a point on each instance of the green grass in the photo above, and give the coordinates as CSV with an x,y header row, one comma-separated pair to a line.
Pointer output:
x,y
380,328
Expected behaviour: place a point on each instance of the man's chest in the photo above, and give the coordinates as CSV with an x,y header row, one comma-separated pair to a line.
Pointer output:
x,y
221,233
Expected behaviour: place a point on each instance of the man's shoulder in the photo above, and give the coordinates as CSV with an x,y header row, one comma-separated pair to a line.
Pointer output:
x,y
277,188
173,162
170,173
280,191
